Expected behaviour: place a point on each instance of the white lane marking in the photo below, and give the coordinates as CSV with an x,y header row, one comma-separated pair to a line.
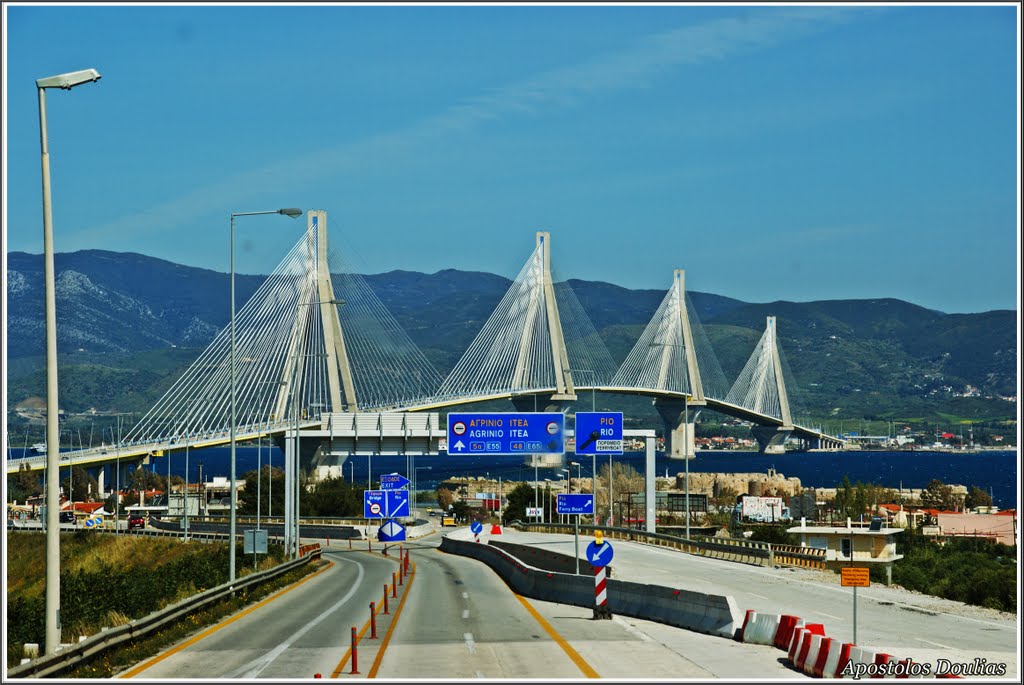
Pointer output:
x,y
933,643
465,613
822,613
480,675
754,594
465,595
470,645
630,628
254,669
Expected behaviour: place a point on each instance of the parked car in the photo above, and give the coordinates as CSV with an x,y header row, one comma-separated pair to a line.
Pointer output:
x,y
67,516
136,521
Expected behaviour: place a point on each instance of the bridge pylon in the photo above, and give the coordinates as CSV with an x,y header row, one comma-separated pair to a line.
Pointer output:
x,y
317,291
762,388
675,349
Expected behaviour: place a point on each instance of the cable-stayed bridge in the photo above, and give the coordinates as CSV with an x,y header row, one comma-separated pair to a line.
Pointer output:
x,y
314,342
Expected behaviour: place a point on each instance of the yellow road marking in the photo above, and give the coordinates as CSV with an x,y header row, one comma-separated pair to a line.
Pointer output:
x,y
210,631
566,647
366,626
394,621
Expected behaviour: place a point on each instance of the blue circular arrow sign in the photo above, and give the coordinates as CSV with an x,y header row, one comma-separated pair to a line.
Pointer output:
x,y
599,555
476,527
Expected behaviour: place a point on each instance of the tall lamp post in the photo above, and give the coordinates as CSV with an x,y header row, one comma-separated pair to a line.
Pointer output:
x,y
292,212
65,81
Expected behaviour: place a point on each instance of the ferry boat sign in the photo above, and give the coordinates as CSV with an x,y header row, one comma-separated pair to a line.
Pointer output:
x,y
506,433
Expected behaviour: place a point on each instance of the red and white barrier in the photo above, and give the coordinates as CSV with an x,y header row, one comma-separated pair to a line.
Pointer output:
x,y
784,634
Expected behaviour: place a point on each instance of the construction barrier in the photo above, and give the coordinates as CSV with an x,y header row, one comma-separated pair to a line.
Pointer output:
x,y
787,625
801,642
760,629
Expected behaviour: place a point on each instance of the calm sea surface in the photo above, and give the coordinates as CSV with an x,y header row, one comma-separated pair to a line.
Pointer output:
x,y
990,470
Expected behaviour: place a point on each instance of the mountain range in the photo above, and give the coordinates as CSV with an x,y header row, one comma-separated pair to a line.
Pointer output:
x,y
128,323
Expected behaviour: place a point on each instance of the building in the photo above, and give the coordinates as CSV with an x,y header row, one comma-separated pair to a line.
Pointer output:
x,y
862,547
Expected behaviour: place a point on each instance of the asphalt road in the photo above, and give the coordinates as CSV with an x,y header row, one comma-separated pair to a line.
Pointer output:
x,y
459,620
900,622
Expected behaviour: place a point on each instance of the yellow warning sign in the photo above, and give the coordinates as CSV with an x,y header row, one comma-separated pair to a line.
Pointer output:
x,y
856,577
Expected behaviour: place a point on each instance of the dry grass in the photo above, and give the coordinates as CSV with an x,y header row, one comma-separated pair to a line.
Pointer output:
x,y
83,550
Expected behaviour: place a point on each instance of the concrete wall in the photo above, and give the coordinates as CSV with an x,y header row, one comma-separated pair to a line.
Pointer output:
x,y
711,614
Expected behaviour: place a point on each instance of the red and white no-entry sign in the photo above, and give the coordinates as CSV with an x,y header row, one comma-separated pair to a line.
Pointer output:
x,y
375,508
458,428
553,428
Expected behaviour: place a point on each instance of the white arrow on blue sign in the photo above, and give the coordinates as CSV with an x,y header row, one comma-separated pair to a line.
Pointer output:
x,y
391,532
476,527
393,481
574,504
385,504
599,555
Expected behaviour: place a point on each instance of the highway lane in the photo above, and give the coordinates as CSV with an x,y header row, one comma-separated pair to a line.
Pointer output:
x,y
909,624
300,632
462,621
459,621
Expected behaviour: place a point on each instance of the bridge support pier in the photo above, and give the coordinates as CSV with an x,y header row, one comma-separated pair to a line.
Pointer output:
x,y
771,439
680,427
549,403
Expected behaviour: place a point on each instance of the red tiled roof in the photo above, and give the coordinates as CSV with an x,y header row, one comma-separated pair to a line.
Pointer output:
x,y
1008,512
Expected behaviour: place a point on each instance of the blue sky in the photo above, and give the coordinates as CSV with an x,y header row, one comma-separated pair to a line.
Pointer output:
x,y
775,153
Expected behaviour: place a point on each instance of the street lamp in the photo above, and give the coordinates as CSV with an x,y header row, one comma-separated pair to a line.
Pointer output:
x,y
65,81
292,212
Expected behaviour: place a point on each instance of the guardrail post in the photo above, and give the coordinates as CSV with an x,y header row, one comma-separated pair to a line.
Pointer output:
x,y
771,556
355,652
373,620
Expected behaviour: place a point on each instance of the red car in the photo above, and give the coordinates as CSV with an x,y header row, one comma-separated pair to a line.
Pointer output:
x,y
136,521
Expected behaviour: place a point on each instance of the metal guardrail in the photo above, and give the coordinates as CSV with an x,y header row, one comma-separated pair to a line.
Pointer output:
x,y
64,659
730,549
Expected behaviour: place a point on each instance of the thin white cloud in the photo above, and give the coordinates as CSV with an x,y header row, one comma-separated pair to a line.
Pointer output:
x,y
634,67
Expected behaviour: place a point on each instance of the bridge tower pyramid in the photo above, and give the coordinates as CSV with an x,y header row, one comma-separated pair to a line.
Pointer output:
x,y
565,390
676,413
772,439
319,292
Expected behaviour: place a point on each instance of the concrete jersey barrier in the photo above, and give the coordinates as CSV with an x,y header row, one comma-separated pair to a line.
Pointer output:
x,y
711,614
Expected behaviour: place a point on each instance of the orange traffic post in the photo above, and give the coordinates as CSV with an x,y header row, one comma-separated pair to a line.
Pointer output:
x,y
373,620
385,599
394,588
355,652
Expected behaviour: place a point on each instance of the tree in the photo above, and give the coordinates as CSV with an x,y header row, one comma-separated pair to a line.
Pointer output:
x,y
24,484
80,486
521,497
938,495
445,498
271,484
976,497
333,497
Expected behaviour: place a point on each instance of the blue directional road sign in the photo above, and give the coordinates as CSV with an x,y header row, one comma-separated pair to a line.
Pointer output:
x,y
385,504
393,481
506,433
574,504
599,555
599,432
476,527
391,532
